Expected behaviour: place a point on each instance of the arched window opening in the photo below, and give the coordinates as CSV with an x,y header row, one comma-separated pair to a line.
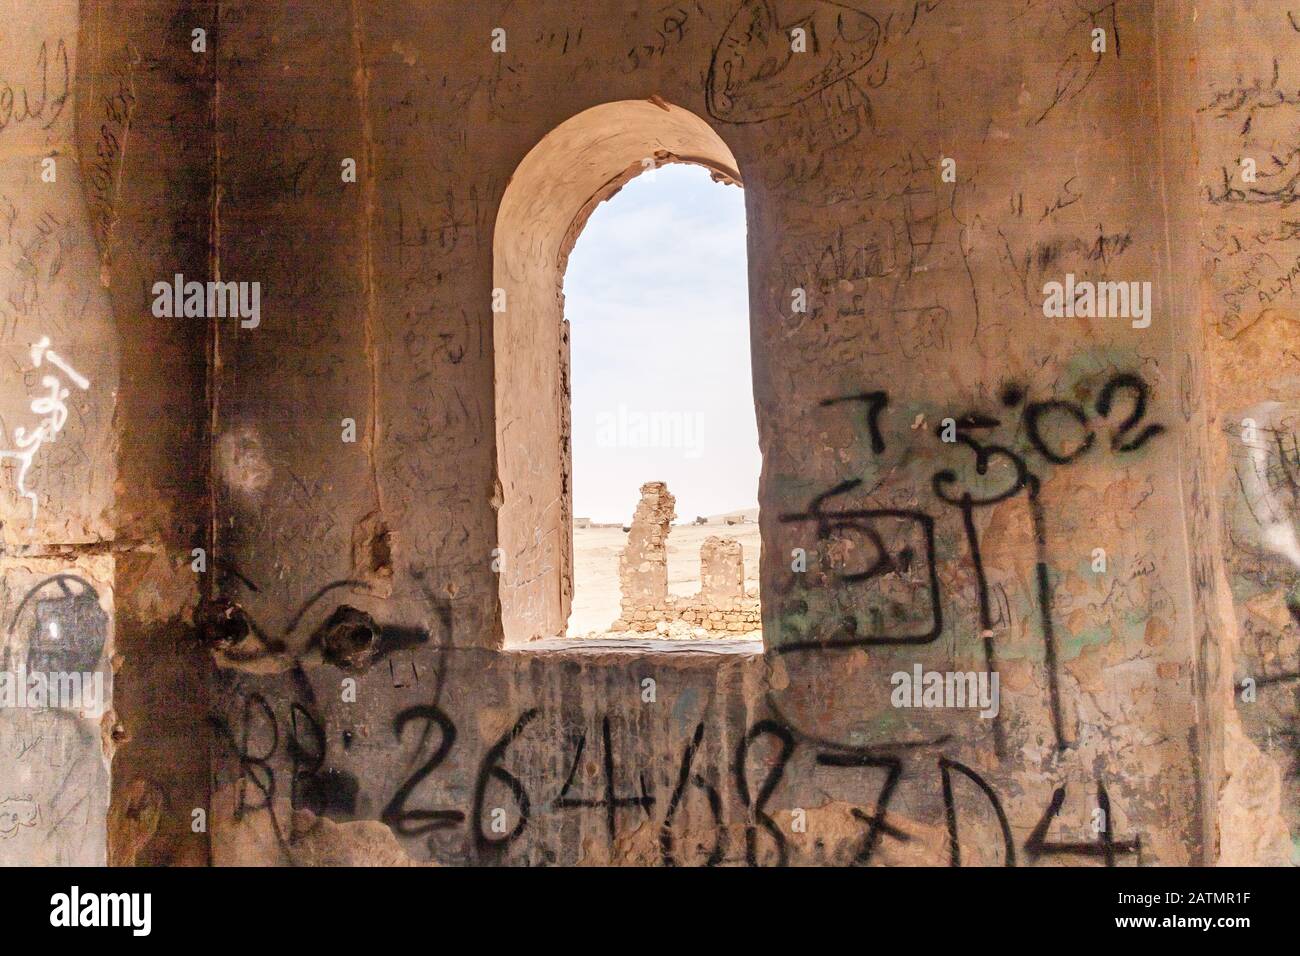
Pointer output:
x,y
555,190
665,446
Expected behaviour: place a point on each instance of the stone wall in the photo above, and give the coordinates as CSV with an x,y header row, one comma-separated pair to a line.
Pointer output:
x,y
643,565
722,571
721,607
924,306
702,617
105,187
1247,111
59,353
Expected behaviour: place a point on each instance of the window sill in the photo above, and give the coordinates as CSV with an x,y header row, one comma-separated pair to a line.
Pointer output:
x,y
599,647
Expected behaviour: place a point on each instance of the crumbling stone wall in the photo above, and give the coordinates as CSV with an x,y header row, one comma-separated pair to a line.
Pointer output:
x,y
722,572
703,618
643,565
721,607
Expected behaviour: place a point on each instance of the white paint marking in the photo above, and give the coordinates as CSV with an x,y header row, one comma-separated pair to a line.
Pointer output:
x,y
52,405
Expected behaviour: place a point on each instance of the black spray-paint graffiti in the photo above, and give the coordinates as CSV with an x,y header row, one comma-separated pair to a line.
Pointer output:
x,y
902,548
66,627
312,786
755,782
901,569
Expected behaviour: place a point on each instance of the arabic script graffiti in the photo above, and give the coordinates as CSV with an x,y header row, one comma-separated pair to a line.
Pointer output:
x,y
52,405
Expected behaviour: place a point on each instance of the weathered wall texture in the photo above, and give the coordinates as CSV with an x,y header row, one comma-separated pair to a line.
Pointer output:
x,y
952,481
146,152
96,560
1249,109
58,349
1073,435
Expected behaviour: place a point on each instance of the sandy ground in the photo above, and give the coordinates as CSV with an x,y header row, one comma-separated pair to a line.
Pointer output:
x,y
595,558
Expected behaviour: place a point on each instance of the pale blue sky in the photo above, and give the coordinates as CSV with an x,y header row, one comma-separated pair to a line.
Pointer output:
x,y
657,301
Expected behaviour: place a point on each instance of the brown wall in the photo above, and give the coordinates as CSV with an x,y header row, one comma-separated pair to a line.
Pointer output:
x,y
1247,107
926,290
59,355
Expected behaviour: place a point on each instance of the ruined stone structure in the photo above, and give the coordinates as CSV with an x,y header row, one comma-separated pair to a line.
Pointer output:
x,y
720,608
643,565
722,572
1092,495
